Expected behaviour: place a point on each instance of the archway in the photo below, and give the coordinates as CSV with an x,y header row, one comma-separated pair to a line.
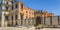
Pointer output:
x,y
38,20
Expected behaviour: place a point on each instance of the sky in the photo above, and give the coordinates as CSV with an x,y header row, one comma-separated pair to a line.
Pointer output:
x,y
48,5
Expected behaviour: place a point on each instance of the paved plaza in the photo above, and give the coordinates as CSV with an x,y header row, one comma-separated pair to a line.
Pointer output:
x,y
50,29
25,28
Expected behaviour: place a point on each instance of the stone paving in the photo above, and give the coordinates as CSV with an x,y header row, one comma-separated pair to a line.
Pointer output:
x,y
49,29
25,28
16,28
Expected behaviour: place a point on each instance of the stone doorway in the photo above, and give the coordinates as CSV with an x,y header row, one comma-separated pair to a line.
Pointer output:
x,y
38,20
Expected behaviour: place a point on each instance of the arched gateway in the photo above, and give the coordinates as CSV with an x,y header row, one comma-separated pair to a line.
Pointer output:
x,y
38,20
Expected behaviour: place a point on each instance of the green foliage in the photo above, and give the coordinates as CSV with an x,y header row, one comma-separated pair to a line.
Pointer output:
x,y
39,26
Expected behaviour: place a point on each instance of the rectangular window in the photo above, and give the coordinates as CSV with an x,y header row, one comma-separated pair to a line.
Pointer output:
x,y
21,17
12,7
6,17
26,12
0,7
0,17
16,6
16,17
6,7
12,17
21,6
26,17
16,23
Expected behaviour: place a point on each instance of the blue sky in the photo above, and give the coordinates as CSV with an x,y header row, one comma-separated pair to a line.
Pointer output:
x,y
49,5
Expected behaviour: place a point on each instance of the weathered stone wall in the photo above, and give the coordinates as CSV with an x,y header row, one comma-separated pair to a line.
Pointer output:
x,y
54,20
51,21
47,21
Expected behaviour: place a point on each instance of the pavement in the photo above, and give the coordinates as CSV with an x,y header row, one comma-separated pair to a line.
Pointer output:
x,y
17,28
50,29
24,28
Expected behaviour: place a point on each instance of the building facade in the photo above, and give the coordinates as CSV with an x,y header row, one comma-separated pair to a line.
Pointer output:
x,y
28,13
40,14
10,13
14,13
46,14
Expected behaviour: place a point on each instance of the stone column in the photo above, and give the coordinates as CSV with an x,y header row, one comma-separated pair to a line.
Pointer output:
x,y
3,18
34,21
5,24
30,22
14,16
19,15
42,21
14,20
18,21
26,22
23,22
10,21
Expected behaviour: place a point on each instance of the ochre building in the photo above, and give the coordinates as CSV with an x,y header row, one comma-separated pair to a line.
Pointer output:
x,y
27,13
46,14
13,13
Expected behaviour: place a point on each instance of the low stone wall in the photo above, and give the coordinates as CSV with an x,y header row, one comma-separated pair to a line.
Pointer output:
x,y
16,28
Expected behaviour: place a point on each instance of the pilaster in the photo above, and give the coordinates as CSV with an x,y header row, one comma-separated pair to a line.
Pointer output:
x,y
3,19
